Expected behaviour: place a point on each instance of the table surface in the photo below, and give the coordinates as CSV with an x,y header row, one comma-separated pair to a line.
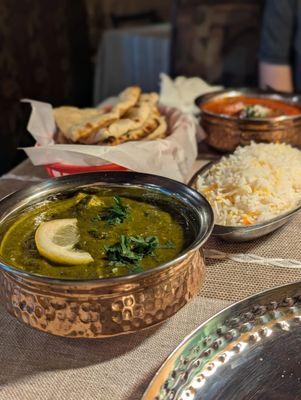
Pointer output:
x,y
36,365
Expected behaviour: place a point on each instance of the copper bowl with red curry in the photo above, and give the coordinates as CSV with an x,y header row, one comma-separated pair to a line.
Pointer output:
x,y
236,117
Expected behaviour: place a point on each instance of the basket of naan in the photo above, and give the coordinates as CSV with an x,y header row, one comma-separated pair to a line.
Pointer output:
x,y
135,116
133,132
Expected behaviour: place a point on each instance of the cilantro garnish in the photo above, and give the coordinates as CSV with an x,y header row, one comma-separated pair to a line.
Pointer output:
x,y
255,111
131,250
114,215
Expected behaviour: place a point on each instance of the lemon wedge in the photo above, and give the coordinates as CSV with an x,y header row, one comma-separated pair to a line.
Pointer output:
x,y
55,240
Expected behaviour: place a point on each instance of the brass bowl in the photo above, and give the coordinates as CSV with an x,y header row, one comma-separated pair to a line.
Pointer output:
x,y
225,133
106,307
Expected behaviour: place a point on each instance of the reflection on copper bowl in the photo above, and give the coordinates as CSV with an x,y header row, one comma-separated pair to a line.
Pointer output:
x,y
225,132
106,307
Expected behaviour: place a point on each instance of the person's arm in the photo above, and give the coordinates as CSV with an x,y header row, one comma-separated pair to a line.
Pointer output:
x,y
278,77
276,45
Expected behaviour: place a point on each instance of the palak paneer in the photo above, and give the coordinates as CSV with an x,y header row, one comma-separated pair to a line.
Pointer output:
x,y
89,236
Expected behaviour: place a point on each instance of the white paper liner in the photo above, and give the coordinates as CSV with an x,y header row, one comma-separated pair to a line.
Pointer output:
x,y
172,157
182,92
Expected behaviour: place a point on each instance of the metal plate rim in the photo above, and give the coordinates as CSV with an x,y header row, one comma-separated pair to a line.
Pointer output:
x,y
253,298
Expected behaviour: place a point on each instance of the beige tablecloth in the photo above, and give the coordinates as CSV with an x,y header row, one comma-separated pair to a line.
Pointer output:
x,y
35,365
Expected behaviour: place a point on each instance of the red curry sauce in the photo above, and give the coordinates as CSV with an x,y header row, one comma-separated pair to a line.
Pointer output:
x,y
234,106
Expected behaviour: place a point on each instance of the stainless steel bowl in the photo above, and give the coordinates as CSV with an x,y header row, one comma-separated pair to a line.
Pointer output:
x,y
225,133
102,308
244,233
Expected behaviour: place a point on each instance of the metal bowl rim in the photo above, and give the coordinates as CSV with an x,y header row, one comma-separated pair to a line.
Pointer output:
x,y
194,246
228,229
245,91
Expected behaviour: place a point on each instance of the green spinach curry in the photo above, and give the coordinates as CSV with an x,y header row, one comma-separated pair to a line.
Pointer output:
x,y
120,235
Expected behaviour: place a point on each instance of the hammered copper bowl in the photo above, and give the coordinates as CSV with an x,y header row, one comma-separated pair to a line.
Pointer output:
x,y
225,133
106,307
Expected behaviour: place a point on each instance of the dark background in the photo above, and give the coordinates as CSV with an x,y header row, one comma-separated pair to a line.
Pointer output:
x,y
48,48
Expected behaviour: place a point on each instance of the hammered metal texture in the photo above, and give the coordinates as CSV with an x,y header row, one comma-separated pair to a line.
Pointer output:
x,y
249,351
225,133
90,311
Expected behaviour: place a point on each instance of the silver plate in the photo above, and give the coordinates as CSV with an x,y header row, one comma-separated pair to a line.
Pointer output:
x,y
245,233
249,351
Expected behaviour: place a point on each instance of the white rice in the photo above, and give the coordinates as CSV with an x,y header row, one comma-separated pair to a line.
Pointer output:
x,y
256,183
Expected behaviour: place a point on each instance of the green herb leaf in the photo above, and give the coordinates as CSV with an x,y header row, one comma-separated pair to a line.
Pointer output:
x,y
130,250
145,246
168,245
249,112
255,111
113,215
97,218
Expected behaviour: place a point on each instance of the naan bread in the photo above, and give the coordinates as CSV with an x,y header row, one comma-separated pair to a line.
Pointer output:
x,y
127,99
152,124
151,98
160,132
76,123
66,117
132,120
134,117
